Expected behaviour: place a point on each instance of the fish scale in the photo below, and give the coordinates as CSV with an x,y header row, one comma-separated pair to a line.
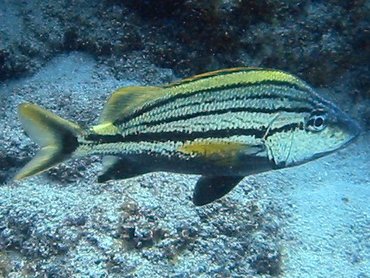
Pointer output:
x,y
245,91
223,125
188,107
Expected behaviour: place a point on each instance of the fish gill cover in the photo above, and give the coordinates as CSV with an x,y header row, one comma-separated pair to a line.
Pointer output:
x,y
67,56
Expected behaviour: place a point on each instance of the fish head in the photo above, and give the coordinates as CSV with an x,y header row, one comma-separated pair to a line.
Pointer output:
x,y
320,132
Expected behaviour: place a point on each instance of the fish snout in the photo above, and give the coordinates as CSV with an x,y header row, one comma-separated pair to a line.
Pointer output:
x,y
351,127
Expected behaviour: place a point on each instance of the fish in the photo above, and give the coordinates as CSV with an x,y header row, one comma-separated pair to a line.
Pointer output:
x,y
223,125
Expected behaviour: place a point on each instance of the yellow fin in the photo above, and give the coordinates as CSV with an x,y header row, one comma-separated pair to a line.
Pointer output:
x,y
205,75
106,128
126,100
57,138
232,76
222,152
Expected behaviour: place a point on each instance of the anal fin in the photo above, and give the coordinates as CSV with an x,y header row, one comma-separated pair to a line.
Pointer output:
x,y
116,168
211,188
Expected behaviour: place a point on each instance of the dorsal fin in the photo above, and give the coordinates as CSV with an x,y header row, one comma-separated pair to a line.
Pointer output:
x,y
125,100
207,75
234,76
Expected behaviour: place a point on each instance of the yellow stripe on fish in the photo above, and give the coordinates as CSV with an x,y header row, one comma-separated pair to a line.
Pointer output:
x,y
223,125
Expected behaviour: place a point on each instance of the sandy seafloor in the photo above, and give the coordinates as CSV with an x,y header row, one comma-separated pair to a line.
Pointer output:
x,y
64,224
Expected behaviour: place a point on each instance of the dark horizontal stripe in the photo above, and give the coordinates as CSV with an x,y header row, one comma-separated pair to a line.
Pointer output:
x,y
97,139
224,111
156,104
236,98
222,133
285,128
104,139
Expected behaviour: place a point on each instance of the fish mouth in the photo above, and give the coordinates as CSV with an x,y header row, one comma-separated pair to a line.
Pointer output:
x,y
351,139
351,127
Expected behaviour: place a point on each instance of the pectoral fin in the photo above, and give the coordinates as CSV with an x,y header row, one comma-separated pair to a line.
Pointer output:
x,y
221,152
116,168
211,188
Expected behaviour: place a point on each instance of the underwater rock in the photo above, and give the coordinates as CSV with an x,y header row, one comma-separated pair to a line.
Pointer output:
x,y
191,36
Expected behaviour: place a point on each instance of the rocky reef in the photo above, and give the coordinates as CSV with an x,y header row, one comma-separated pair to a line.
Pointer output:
x,y
68,56
193,36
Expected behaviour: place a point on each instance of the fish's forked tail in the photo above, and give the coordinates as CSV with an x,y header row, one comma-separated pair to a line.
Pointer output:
x,y
56,137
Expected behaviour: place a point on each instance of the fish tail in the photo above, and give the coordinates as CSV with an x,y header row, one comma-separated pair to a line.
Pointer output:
x,y
58,138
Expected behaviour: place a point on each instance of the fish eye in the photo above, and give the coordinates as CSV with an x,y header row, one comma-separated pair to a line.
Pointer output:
x,y
319,121
316,122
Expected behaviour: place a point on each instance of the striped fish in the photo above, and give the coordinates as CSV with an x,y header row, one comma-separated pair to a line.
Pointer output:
x,y
223,125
